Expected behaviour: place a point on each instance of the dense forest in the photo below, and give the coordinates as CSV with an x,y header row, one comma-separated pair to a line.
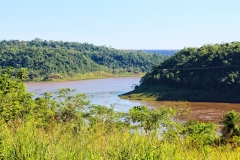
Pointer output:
x,y
203,73
47,58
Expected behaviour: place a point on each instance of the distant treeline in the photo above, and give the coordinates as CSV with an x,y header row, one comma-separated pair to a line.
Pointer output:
x,y
43,58
210,68
167,52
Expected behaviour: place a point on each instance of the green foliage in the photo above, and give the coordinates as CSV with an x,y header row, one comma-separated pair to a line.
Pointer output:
x,y
30,142
231,123
209,70
149,119
198,132
15,102
49,60
105,117
63,106
205,68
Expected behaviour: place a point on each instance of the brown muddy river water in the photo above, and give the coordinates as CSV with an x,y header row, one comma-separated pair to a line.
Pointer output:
x,y
106,91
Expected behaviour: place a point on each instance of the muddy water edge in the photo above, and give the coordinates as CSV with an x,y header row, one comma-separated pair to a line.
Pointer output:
x,y
106,91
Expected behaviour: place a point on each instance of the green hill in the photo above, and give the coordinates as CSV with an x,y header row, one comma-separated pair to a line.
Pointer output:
x,y
208,73
56,59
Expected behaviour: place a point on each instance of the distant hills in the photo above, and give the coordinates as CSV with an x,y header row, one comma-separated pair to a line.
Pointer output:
x,y
160,51
165,52
56,59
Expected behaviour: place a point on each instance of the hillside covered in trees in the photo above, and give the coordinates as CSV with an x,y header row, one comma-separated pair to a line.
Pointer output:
x,y
46,59
208,73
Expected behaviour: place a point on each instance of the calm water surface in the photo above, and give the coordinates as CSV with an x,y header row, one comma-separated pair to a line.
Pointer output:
x,y
106,91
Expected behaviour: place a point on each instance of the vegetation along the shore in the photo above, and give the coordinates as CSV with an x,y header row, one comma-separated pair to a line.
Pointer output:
x,y
208,73
64,125
58,60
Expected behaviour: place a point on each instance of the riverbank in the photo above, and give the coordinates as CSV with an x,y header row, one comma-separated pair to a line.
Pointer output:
x,y
86,76
167,93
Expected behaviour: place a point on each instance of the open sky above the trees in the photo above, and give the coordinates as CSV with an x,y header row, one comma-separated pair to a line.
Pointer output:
x,y
123,24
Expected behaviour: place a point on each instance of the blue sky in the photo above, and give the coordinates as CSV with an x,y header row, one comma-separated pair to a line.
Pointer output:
x,y
123,24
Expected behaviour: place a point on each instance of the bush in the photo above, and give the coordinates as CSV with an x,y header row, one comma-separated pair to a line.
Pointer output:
x,y
199,133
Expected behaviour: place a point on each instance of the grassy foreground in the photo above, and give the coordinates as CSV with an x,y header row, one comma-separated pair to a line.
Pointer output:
x,y
27,141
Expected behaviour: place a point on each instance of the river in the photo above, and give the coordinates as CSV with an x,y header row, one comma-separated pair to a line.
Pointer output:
x,y
106,91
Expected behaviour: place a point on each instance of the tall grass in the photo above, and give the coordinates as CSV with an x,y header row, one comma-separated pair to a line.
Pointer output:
x,y
24,140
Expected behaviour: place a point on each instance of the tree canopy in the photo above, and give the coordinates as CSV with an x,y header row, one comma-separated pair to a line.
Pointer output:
x,y
209,69
43,58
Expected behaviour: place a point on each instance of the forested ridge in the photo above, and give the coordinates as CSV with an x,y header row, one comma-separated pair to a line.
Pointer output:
x,y
45,58
212,70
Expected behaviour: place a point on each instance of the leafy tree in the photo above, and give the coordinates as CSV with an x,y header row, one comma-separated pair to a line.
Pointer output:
x,y
148,119
106,117
15,102
199,133
231,123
